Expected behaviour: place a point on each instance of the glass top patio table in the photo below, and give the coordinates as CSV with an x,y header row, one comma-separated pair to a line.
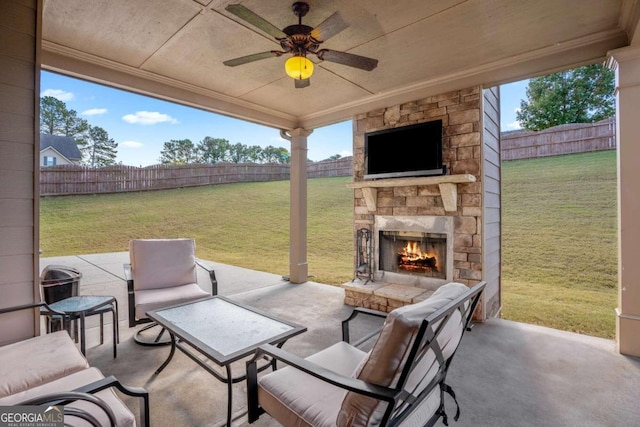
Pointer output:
x,y
80,306
224,331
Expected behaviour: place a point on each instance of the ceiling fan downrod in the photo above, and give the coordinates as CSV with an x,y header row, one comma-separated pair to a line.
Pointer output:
x,y
300,9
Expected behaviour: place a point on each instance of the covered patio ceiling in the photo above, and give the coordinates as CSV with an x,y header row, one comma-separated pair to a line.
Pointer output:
x,y
174,50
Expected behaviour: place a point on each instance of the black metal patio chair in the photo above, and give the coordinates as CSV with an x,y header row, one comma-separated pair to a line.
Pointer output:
x,y
162,273
400,382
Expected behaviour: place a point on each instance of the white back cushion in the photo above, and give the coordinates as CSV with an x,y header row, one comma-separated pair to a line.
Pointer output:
x,y
162,263
29,363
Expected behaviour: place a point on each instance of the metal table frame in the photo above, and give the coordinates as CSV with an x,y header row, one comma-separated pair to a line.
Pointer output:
x,y
80,306
185,341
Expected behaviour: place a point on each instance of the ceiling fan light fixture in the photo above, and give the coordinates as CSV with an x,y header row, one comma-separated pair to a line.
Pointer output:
x,y
298,67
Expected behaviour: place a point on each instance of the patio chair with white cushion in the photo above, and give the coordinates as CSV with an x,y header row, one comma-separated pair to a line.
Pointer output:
x,y
162,273
400,382
50,370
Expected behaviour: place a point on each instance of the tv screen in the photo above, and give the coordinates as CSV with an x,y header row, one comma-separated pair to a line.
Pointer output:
x,y
414,150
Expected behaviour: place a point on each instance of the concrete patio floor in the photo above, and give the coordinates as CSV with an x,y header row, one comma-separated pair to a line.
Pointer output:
x,y
504,373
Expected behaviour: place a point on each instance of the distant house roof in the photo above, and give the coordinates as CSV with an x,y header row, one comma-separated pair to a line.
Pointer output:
x,y
64,145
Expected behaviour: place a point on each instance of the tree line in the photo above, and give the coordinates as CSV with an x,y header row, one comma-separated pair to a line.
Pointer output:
x,y
216,150
98,149
579,95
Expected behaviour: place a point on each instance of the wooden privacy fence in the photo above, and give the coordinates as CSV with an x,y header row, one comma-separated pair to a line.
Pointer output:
x,y
563,139
327,168
73,179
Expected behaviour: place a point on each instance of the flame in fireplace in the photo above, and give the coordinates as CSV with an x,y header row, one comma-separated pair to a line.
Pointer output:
x,y
412,257
413,252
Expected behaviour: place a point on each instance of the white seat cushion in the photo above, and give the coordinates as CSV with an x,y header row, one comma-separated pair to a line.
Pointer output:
x,y
124,417
294,398
29,363
153,299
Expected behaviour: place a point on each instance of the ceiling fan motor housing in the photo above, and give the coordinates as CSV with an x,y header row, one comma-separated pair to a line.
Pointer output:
x,y
295,29
299,41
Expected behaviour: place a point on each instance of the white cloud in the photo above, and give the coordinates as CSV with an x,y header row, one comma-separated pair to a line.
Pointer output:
x,y
149,118
513,125
94,112
345,153
131,144
58,93
278,140
517,110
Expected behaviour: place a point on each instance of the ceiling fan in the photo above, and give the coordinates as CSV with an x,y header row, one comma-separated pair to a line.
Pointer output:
x,y
300,41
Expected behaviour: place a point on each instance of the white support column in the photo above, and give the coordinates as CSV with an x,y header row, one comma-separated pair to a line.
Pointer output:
x,y
298,267
626,61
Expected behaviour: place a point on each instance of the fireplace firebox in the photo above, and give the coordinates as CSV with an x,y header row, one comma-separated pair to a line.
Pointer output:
x,y
413,250
413,253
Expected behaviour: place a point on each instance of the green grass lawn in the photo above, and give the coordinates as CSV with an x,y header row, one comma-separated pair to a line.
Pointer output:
x,y
559,242
244,224
559,233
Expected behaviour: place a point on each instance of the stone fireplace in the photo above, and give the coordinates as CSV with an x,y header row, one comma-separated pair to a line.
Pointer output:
x,y
430,230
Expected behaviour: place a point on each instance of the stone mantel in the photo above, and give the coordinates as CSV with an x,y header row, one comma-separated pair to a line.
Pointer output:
x,y
446,183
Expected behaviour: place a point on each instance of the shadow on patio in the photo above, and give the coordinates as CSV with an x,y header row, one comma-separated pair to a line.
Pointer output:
x,y
504,373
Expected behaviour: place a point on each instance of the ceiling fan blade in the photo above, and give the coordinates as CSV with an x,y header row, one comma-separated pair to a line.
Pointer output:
x,y
302,83
249,58
349,59
256,20
329,27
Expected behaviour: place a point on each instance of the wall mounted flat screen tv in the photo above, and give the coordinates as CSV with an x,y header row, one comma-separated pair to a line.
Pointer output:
x,y
414,150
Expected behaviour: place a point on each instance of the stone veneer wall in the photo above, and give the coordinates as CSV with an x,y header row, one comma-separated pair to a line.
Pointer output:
x,y
460,112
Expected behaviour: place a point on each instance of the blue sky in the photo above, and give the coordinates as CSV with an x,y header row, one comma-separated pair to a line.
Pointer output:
x,y
510,96
140,125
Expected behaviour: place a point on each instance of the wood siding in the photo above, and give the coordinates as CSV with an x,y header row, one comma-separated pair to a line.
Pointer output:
x,y
491,226
19,91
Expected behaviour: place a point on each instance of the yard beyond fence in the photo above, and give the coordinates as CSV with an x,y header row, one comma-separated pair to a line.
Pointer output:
x,y
72,179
